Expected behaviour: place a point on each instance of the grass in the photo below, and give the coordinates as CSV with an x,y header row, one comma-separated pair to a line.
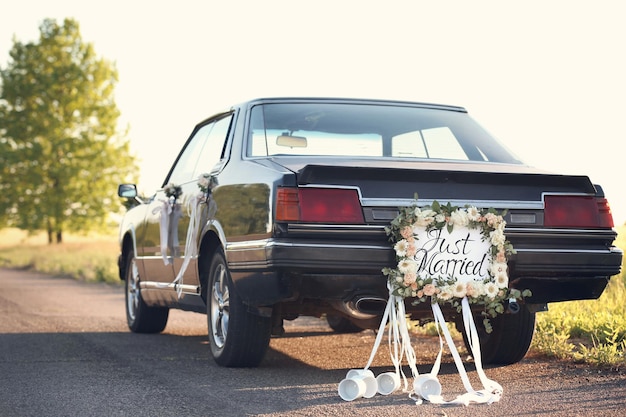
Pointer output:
x,y
86,258
590,331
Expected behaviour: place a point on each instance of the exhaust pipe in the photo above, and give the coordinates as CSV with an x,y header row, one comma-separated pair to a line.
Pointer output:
x,y
371,305
362,307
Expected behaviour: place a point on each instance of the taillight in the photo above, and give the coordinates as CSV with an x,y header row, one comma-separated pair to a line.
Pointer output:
x,y
577,211
287,205
319,205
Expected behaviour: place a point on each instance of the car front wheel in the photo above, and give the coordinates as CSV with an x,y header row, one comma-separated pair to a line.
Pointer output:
x,y
238,337
140,317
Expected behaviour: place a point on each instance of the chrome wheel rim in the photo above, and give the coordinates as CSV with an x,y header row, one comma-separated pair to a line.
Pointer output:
x,y
220,307
132,291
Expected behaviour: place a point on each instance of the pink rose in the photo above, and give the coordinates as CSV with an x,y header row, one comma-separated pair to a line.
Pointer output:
x,y
409,278
406,232
429,289
411,250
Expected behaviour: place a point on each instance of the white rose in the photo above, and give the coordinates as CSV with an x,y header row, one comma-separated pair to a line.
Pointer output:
x,y
498,268
459,218
422,222
497,238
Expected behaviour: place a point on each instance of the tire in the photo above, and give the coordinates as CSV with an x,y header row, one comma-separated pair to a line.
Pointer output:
x,y
140,317
342,325
510,339
238,337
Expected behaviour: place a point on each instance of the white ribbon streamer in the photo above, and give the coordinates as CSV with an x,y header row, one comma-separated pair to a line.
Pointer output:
x,y
400,347
398,338
164,223
491,387
191,245
492,391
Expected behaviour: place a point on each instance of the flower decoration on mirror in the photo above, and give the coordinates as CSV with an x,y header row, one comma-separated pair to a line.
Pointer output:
x,y
415,277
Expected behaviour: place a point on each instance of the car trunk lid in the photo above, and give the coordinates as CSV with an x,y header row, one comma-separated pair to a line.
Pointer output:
x,y
481,182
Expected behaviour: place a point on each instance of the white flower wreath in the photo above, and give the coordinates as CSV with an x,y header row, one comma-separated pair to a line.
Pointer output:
x,y
420,277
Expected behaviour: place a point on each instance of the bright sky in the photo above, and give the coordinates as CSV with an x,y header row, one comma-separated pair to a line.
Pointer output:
x,y
548,78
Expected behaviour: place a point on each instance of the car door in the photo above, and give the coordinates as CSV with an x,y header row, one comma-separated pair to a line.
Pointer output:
x,y
207,146
158,237
151,242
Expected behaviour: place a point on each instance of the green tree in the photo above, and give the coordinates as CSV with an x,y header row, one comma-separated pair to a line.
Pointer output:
x,y
61,154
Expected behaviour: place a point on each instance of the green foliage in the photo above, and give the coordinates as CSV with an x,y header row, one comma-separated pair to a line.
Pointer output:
x,y
86,261
61,155
591,331
610,352
552,338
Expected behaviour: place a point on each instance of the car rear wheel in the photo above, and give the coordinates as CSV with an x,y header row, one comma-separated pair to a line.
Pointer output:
x,y
510,339
238,337
140,317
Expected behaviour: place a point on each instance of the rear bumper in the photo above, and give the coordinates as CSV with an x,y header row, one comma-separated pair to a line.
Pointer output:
x,y
270,271
566,263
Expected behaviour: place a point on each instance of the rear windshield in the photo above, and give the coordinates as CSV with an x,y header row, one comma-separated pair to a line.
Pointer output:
x,y
366,130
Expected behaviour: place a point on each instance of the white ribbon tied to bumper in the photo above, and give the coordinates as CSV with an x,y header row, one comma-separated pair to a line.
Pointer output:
x,y
427,387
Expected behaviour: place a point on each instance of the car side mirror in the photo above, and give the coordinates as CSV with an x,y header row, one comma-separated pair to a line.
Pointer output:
x,y
127,191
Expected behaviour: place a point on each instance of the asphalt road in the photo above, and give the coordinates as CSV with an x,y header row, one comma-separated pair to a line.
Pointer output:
x,y
65,350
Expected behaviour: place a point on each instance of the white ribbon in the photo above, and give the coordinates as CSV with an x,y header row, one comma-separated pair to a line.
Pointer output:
x,y
400,347
398,338
492,391
166,210
191,244
397,344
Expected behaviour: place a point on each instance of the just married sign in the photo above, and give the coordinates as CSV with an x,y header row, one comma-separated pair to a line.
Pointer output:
x,y
444,254
462,254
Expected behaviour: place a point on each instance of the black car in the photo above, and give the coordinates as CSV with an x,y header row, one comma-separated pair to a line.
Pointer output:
x,y
278,208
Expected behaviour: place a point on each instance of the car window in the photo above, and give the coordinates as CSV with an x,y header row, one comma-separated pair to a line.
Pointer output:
x,y
315,143
370,130
203,151
438,142
213,150
184,168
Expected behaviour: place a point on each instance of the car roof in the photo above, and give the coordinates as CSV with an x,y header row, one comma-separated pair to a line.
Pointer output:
x,y
338,100
351,101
